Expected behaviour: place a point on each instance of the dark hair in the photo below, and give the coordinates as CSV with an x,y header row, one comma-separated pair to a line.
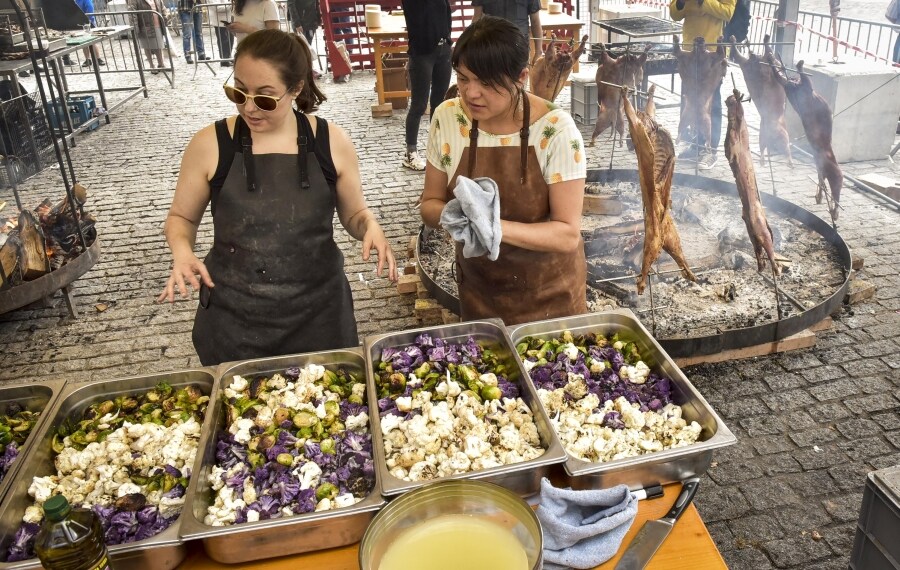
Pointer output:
x,y
239,6
495,50
290,55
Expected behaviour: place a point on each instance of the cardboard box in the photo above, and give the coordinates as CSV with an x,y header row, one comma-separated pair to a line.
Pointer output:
x,y
395,71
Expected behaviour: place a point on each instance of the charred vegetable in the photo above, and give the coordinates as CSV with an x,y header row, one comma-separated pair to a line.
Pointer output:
x,y
15,425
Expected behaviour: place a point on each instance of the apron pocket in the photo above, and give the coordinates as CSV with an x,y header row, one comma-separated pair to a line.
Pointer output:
x,y
205,295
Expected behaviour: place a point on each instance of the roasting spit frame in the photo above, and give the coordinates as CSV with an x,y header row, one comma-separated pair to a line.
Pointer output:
x,y
680,347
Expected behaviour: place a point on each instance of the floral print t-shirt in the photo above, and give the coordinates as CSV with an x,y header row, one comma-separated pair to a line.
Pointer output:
x,y
555,138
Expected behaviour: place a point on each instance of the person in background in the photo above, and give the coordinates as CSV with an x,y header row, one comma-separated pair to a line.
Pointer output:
x,y
428,26
191,26
149,28
274,281
305,18
706,19
533,151
87,6
525,14
224,38
251,16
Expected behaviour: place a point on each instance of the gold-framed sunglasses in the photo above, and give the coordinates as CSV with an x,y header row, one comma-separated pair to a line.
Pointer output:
x,y
266,103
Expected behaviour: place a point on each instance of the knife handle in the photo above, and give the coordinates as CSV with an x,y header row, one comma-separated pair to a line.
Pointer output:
x,y
688,488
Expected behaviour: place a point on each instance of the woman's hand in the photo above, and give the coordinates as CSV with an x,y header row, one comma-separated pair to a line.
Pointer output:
x,y
374,239
184,275
240,28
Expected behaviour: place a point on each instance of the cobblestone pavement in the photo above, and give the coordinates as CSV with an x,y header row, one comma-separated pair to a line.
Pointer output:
x,y
810,424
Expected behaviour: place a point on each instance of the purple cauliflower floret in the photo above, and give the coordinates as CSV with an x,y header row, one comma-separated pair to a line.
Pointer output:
x,y
424,340
22,547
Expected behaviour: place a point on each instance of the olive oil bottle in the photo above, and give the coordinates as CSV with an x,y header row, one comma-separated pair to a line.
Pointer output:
x,y
70,539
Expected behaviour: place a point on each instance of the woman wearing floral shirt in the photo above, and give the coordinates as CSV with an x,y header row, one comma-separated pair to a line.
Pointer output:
x,y
533,151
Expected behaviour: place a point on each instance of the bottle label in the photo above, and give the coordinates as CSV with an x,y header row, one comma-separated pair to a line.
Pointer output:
x,y
102,565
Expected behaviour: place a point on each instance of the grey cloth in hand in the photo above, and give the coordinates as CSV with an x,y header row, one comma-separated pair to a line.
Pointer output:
x,y
583,529
473,217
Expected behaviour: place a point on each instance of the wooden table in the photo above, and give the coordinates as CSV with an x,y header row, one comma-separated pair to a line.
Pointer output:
x,y
689,546
393,31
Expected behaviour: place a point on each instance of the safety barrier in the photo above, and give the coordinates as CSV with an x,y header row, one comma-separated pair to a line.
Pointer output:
x,y
141,20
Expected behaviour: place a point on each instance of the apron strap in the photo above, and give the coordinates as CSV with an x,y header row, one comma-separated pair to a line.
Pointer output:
x,y
243,135
523,135
523,142
302,149
473,147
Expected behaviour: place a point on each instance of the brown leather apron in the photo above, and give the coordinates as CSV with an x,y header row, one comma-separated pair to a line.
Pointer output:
x,y
522,285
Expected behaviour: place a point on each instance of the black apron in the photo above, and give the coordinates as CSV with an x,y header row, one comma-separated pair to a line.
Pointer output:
x,y
280,286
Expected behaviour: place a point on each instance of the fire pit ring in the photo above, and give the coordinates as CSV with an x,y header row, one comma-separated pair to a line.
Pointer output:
x,y
30,291
728,339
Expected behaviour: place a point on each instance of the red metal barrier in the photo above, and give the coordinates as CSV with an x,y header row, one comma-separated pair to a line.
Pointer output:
x,y
353,32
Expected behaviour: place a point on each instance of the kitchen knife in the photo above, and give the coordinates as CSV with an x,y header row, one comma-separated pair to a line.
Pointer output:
x,y
653,533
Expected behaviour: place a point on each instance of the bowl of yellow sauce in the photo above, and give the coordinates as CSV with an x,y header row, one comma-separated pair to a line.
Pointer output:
x,y
454,525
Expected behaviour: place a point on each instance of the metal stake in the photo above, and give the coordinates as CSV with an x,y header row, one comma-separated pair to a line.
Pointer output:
x,y
652,305
772,175
775,284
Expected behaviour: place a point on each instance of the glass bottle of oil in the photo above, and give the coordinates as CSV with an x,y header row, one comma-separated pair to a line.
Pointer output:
x,y
70,539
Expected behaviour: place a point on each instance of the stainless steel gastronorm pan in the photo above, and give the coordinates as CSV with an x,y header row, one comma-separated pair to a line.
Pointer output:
x,y
275,537
661,467
522,478
161,552
34,397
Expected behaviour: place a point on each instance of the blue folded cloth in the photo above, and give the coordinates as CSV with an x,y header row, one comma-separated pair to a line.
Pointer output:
x,y
473,217
583,529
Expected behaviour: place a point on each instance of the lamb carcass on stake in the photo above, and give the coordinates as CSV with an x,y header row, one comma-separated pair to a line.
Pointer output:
x,y
628,70
656,166
701,73
769,97
551,70
815,115
737,151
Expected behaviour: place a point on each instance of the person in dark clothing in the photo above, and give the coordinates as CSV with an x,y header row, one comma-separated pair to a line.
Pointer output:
x,y
274,281
525,14
305,17
428,26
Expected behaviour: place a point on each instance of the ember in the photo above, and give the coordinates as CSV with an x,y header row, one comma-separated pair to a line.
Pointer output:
x,y
35,242
730,293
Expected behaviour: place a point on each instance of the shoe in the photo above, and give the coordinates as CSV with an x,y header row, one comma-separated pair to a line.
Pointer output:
x,y
203,58
188,59
67,60
87,63
25,73
100,61
225,63
413,161
686,149
708,159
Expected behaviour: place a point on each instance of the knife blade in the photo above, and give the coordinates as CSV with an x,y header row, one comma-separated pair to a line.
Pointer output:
x,y
651,536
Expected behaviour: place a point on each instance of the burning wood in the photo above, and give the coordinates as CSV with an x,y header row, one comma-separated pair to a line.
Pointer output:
x,y
33,243
815,115
769,97
737,150
656,165
551,70
628,70
701,73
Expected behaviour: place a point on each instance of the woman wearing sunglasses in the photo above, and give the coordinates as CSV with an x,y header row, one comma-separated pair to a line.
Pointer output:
x,y
273,282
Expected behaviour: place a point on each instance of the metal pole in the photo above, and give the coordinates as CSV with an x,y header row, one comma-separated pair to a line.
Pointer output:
x,y
785,35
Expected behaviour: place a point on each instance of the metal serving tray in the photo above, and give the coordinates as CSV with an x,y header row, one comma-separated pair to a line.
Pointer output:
x,y
660,467
523,478
164,551
34,397
249,541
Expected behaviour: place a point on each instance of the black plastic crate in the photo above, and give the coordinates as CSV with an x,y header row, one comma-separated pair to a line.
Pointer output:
x,y
877,544
25,144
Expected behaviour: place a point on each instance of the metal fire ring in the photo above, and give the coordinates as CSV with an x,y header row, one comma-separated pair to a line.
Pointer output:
x,y
30,291
680,347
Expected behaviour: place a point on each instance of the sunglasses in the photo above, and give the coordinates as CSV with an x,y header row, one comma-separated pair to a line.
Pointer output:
x,y
265,103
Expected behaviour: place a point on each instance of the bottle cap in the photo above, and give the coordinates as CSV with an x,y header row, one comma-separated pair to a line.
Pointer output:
x,y
56,508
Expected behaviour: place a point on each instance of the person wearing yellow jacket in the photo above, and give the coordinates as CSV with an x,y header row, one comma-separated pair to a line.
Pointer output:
x,y
707,19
